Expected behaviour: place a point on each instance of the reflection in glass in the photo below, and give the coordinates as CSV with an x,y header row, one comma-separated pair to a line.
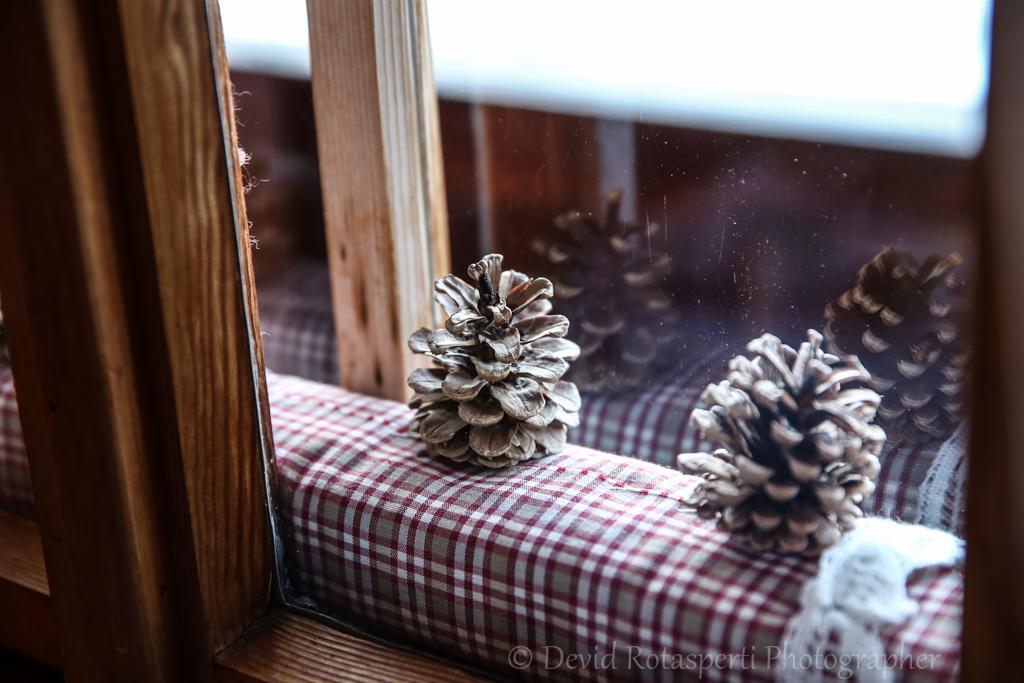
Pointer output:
x,y
692,176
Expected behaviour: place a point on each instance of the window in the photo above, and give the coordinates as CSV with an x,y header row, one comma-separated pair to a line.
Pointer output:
x,y
235,341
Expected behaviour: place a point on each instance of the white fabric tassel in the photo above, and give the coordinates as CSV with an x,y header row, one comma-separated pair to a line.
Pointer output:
x,y
861,587
941,495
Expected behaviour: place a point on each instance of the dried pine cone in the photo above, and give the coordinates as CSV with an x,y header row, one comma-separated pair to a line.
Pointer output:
x,y
902,319
607,283
497,397
797,448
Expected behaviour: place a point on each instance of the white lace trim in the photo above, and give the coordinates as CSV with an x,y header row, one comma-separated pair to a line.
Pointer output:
x,y
861,587
940,498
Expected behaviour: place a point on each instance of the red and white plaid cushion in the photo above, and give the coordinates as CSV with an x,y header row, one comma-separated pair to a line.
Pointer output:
x,y
15,485
904,469
651,425
298,326
580,553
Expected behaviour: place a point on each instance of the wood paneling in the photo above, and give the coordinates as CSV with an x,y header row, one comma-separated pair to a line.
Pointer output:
x,y
276,129
286,647
128,295
380,170
533,167
762,231
461,181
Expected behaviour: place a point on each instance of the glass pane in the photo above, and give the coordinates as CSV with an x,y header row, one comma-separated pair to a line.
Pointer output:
x,y
277,133
759,220
692,188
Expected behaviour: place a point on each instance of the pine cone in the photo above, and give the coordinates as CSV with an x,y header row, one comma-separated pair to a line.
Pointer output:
x,y
798,450
497,397
607,283
902,319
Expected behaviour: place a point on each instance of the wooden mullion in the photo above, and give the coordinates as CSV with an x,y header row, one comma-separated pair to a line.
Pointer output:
x,y
80,446
383,189
203,268
123,262
994,595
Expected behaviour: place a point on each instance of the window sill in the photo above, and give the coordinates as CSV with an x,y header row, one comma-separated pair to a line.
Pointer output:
x,y
280,647
28,625
287,647
579,550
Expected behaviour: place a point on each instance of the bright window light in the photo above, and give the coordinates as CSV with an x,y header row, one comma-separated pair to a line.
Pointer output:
x,y
898,74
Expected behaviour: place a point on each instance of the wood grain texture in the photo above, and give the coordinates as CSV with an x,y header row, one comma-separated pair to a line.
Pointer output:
x,y
71,352
381,175
534,166
123,261
28,625
285,647
994,594
177,72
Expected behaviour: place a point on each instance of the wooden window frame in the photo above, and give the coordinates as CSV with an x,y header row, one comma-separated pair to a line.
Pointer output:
x,y
379,146
140,374
141,385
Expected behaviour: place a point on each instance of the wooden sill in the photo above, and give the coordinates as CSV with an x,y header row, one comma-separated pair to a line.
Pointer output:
x,y
281,646
284,646
25,593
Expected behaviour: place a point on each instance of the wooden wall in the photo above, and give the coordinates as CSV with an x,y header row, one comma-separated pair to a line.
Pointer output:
x,y
762,231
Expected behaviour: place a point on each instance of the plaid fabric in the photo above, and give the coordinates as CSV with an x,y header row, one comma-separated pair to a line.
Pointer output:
x,y
298,325
899,482
580,554
583,553
15,485
651,425
654,424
